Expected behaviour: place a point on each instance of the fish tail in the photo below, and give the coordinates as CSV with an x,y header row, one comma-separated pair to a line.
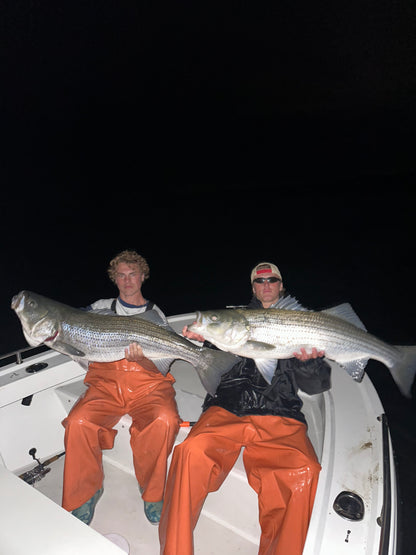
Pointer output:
x,y
213,364
403,370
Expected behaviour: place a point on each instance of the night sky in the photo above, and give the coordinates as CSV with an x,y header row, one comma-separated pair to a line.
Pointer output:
x,y
210,137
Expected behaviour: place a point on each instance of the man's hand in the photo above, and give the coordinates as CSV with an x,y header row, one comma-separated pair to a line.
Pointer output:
x,y
134,353
303,355
192,335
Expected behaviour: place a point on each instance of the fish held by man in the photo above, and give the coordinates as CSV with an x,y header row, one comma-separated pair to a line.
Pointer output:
x,y
268,335
90,336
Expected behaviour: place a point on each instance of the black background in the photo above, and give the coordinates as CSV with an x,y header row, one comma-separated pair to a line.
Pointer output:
x,y
210,137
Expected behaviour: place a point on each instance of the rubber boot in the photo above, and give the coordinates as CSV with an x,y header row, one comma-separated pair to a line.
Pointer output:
x,y
152,511
85,513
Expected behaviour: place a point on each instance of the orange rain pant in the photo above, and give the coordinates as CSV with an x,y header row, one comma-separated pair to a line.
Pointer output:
x,y
115,389
281,467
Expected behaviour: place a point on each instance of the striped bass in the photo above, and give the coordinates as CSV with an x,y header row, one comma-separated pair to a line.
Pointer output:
x,y
89,336
269,334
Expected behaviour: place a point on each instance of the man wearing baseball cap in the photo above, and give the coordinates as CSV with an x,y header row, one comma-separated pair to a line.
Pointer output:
x,y
265,418
265,270
267,284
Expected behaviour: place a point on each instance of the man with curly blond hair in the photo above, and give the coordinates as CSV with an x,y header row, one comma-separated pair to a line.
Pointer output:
x,y
131,386
130,258
128,271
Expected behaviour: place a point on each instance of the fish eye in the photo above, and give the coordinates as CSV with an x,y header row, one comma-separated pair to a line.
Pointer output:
x,y
214,317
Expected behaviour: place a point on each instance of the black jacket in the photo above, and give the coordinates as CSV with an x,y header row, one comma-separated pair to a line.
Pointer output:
x,y
243,390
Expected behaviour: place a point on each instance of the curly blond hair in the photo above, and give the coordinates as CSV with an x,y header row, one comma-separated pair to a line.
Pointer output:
x,y
130,258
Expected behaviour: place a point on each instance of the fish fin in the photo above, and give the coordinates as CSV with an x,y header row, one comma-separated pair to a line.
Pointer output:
x,y
404,370
83,362
267,368
154,317
289,303
68,349
148,315
258,346
345,312
212,365
102,311
355,368
163,364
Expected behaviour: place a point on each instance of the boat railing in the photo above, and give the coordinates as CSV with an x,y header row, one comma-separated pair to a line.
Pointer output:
x,y
20,355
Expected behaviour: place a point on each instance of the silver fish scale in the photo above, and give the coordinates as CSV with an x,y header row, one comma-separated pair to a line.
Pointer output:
x,y
341,340
99,336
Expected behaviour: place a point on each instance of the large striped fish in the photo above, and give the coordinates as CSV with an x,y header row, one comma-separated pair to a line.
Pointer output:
x,y
269,334
88,336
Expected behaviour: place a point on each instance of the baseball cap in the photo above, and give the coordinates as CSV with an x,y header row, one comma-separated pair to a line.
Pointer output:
x,y
265,269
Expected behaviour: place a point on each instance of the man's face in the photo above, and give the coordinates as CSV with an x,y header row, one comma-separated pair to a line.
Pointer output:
x,y
128,279
267,290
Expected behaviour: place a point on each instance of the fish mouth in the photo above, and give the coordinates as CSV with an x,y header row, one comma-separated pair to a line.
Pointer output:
x,y
196,323
16,300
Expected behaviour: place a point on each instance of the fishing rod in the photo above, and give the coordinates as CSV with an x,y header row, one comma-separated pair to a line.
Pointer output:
x,y
40,470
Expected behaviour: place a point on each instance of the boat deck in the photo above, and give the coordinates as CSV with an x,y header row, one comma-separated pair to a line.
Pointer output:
x,y
120,513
